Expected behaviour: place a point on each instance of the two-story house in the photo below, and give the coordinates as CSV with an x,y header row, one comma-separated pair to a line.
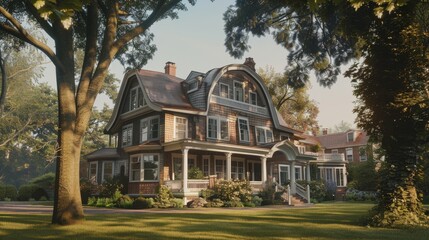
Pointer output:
x,y
222,122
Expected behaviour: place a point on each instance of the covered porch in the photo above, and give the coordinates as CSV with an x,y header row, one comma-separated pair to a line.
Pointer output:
x,y
258,165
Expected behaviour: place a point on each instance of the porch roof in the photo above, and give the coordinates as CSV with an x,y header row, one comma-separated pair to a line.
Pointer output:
x,y
104,153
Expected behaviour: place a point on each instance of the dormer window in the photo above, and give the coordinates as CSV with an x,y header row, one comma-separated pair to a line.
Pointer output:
x,y
350,136
238,91
263,135
253,98
223,90
136,98
192,86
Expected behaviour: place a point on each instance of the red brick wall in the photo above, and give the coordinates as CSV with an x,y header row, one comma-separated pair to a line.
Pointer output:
x,y
142,187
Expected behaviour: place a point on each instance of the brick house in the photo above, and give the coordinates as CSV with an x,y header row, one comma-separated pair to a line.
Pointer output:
x,y
222,122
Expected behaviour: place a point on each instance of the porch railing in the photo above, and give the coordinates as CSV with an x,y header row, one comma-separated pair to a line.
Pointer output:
x,y
303,191
286,190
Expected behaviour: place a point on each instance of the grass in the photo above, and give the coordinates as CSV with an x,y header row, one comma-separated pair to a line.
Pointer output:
x,y
323,221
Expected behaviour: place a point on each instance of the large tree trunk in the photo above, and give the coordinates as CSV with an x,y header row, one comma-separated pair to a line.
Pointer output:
x,y
67,203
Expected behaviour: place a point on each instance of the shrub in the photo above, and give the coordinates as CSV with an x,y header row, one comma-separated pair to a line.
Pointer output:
x,y
28,191
143,203
164,197
92,201
233,191
176,203
207,194
195,173
104,202
46,181
8,191
43,198
257,201
197,203
233,204
124,201
110,186
318,191
356,195
363,176
249,204
216,202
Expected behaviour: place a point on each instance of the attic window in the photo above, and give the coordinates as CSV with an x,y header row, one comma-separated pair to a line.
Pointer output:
x,y
350,136
136,98
192,86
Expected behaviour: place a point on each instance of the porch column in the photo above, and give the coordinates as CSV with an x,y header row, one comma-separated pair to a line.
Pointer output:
x,y
308,172
345,175
228,165
264,169
292,177
185,169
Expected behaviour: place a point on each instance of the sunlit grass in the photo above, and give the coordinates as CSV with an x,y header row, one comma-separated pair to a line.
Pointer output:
x,y
323,221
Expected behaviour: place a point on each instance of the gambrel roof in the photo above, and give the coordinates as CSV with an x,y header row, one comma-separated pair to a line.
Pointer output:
x,y
164,92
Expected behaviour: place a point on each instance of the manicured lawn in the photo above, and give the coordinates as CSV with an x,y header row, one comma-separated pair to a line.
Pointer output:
x,y
323,221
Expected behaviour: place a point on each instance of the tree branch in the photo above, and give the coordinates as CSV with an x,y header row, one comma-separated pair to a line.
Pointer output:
x,y
16,133
43,23
22,34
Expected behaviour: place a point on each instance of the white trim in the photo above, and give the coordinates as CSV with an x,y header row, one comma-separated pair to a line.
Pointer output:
x,y
192,158
219,121
149,119
300,173
140,158
220,90
174,127
206,157
102,169
346,154
242,88
223,173
288,172
342,172
96,171
126,128
239,128
265,129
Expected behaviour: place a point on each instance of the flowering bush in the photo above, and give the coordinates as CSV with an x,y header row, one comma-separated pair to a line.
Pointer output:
x,y
233,191
356,195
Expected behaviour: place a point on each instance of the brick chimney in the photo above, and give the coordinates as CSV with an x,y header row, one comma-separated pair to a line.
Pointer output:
x,y
170,68
250,63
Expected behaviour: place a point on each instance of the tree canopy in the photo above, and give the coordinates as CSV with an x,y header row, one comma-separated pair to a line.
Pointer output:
x,y
104,30
389,42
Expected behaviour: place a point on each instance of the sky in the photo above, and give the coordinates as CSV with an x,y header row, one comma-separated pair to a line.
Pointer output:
x,y
195,43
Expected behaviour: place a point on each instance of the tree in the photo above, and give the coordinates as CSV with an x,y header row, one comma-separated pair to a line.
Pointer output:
x,y
27,127
392,83
106,30
342,127
293,103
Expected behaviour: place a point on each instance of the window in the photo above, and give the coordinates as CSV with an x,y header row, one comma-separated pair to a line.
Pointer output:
x,y
237,170
238,91
180,127
93,169
298,171
349,154
121,168
127,135
264,135
224,90
333,175
339,176
220,168
144,167
334,151
178,163
206,165
243,128
362,153
193,86
136,98
284,174
149,129
253,98
255,170
217,128
107,171
350,137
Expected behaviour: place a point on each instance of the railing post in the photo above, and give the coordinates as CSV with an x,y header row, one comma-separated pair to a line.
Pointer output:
x,y
289,197
308,193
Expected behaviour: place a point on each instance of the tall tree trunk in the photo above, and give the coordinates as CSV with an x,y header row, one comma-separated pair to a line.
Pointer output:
x,y
67,204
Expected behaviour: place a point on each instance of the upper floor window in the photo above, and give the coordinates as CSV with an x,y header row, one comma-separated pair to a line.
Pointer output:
x,y
334,151
224,90
192,86
217,128
243,129
144,167
180,127
350,136
136,98
362,153
264,135
349,154
127,135
149,128
238,91
253,99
